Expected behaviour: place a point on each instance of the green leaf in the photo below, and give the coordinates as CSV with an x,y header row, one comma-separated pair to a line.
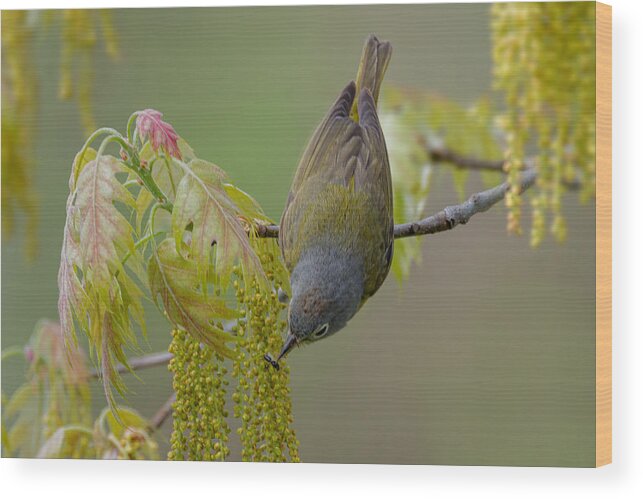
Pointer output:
x,y
107,424
176,282
95,290
411,177
64,442
20,433
203,205
246,204
115,436
80,161
20,398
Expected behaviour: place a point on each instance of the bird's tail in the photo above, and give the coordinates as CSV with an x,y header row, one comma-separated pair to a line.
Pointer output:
x,y
372,66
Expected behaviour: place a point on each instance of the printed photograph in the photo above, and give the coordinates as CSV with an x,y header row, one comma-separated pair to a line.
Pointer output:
x,y
330,234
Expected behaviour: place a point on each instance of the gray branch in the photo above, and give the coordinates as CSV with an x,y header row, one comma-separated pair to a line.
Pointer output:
x,y
445,155
163,413
451,216
135,363
464,162
459,214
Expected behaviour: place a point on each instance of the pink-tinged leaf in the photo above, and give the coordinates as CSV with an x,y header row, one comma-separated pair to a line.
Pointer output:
x,y
174,280
161,134
48,352
217,232
97,293
57,384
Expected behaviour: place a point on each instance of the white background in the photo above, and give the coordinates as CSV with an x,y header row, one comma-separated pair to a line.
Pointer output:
x,y
623,479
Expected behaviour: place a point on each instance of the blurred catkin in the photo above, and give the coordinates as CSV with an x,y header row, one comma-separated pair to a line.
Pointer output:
x,y
544,62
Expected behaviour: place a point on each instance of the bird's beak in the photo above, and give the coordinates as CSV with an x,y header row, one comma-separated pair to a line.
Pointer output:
x,y
291,341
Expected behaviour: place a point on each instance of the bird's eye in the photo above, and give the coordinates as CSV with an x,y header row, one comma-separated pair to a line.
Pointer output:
x,y
321,331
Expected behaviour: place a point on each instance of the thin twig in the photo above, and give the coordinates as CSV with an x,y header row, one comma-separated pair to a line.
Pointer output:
x,y
163,413
448,218
452,216
464,162
151,360
268,230
446,155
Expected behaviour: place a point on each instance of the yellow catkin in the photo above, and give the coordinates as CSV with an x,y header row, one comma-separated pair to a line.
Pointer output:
x,y
19,105
78,33
544,62
262,398
200,429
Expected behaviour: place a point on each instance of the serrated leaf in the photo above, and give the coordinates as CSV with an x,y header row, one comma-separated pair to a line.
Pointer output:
x,y
20,432
52,448
246,204
203,204
176,282
113,434
80,161
252,212
411,177
62,443
107,423
95,290
104,233
7,449
20,398
187,153
160,133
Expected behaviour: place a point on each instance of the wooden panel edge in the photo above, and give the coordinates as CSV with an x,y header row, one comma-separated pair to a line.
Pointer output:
x,y
603,234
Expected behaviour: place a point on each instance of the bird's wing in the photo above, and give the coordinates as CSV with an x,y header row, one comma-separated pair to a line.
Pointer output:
x,y
335,129
332,154
373,178
352,155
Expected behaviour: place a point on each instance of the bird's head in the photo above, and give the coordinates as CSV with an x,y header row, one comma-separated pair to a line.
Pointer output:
x,y
327,289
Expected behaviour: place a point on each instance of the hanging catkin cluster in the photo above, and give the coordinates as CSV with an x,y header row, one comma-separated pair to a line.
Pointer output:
x,y
262,398
544,55
19,107
200,430
80,29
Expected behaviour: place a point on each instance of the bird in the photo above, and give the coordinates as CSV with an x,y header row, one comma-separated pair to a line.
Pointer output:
x,y
336,231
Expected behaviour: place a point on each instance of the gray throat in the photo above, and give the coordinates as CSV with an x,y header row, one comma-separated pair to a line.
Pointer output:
x,y
335,276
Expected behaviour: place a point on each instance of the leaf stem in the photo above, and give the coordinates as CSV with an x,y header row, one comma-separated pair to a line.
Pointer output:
x,y
12,352
139,243
112,138
90,139
130,123
144,173
152,213
148,181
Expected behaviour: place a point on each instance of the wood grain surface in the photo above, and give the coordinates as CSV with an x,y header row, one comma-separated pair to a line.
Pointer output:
x,y
603,234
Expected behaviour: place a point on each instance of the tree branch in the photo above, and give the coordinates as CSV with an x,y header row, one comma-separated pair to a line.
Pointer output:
x,y
163,413
268,230
464,162
445,155
452,216
151,360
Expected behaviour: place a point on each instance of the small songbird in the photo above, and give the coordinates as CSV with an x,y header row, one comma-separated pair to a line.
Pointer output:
x,y
336,232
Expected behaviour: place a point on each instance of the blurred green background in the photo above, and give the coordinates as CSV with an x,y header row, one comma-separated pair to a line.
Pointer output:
x,y
484,356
